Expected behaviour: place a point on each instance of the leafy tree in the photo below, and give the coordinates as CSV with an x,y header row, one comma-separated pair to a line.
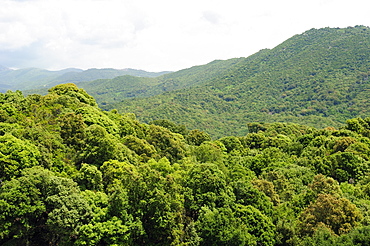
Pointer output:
x,y
153,197
16,155
72,130
8,113
207,186
219,226
343,143
167,144
209,152
268,158
180,129
358,236
289,180
141,147
49,144
101,146
73,91
322,236
41,208
128,125
339,215
268,189
247,194
344,166
284,218
90,178
94,116
197,137
325,185
254,140
232,143
112,180
258,225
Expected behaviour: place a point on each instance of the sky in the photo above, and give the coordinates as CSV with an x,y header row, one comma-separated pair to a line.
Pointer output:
x,y
157,35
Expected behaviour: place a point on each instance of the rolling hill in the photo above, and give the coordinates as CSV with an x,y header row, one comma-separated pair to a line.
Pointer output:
x,y
108,91
36,78
318,78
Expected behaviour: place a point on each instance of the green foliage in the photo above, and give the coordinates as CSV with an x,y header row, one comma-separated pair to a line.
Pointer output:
x,y
319,78
180,129
72,130
357,237
72,174
90,178
196,137
324,185
167,144
221,227
141,147
207,187
258,224
73,91
345,166
209,152
248,194
35,78
93,116
16,155
338,215
359,125
40,208
101,146
231,144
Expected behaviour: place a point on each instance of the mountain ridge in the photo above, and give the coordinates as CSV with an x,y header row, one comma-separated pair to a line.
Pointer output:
x,y
316,78
37,78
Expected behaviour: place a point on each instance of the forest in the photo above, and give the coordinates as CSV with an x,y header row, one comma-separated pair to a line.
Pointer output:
x,y
318,78
73,174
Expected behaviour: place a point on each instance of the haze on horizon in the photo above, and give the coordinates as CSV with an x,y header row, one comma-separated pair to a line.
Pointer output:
x,y
161,35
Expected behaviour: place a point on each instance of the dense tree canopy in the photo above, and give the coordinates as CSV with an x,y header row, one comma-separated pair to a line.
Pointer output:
x,y
317,78
72,174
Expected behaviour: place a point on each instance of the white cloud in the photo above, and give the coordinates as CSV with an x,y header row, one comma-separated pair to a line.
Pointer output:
x,y
157,35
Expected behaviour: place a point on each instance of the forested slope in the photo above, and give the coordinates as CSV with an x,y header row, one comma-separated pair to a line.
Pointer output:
x,y
109,91
319,78
72,174
40,80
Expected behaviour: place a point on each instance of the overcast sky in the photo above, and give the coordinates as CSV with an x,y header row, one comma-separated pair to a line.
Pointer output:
x,y
157,35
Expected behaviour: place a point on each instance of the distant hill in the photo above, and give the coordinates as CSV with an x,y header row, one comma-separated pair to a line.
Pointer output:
x,y
108,91
2,69
318,78
35,78
106,73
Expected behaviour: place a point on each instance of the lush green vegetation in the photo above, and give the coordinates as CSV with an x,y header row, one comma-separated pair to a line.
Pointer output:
x,y
109,91
38,79
319,78
72,174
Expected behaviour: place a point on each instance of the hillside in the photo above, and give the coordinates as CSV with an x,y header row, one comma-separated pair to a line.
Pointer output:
x,y
108,91
72,174
35,78
318,78
28,78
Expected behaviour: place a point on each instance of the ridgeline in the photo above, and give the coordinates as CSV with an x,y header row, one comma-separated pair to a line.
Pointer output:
x,y
319,78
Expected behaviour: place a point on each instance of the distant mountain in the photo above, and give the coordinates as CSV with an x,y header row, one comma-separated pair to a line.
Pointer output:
x,y
105,73
318,78
2,68
107,91
35,78
28,77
